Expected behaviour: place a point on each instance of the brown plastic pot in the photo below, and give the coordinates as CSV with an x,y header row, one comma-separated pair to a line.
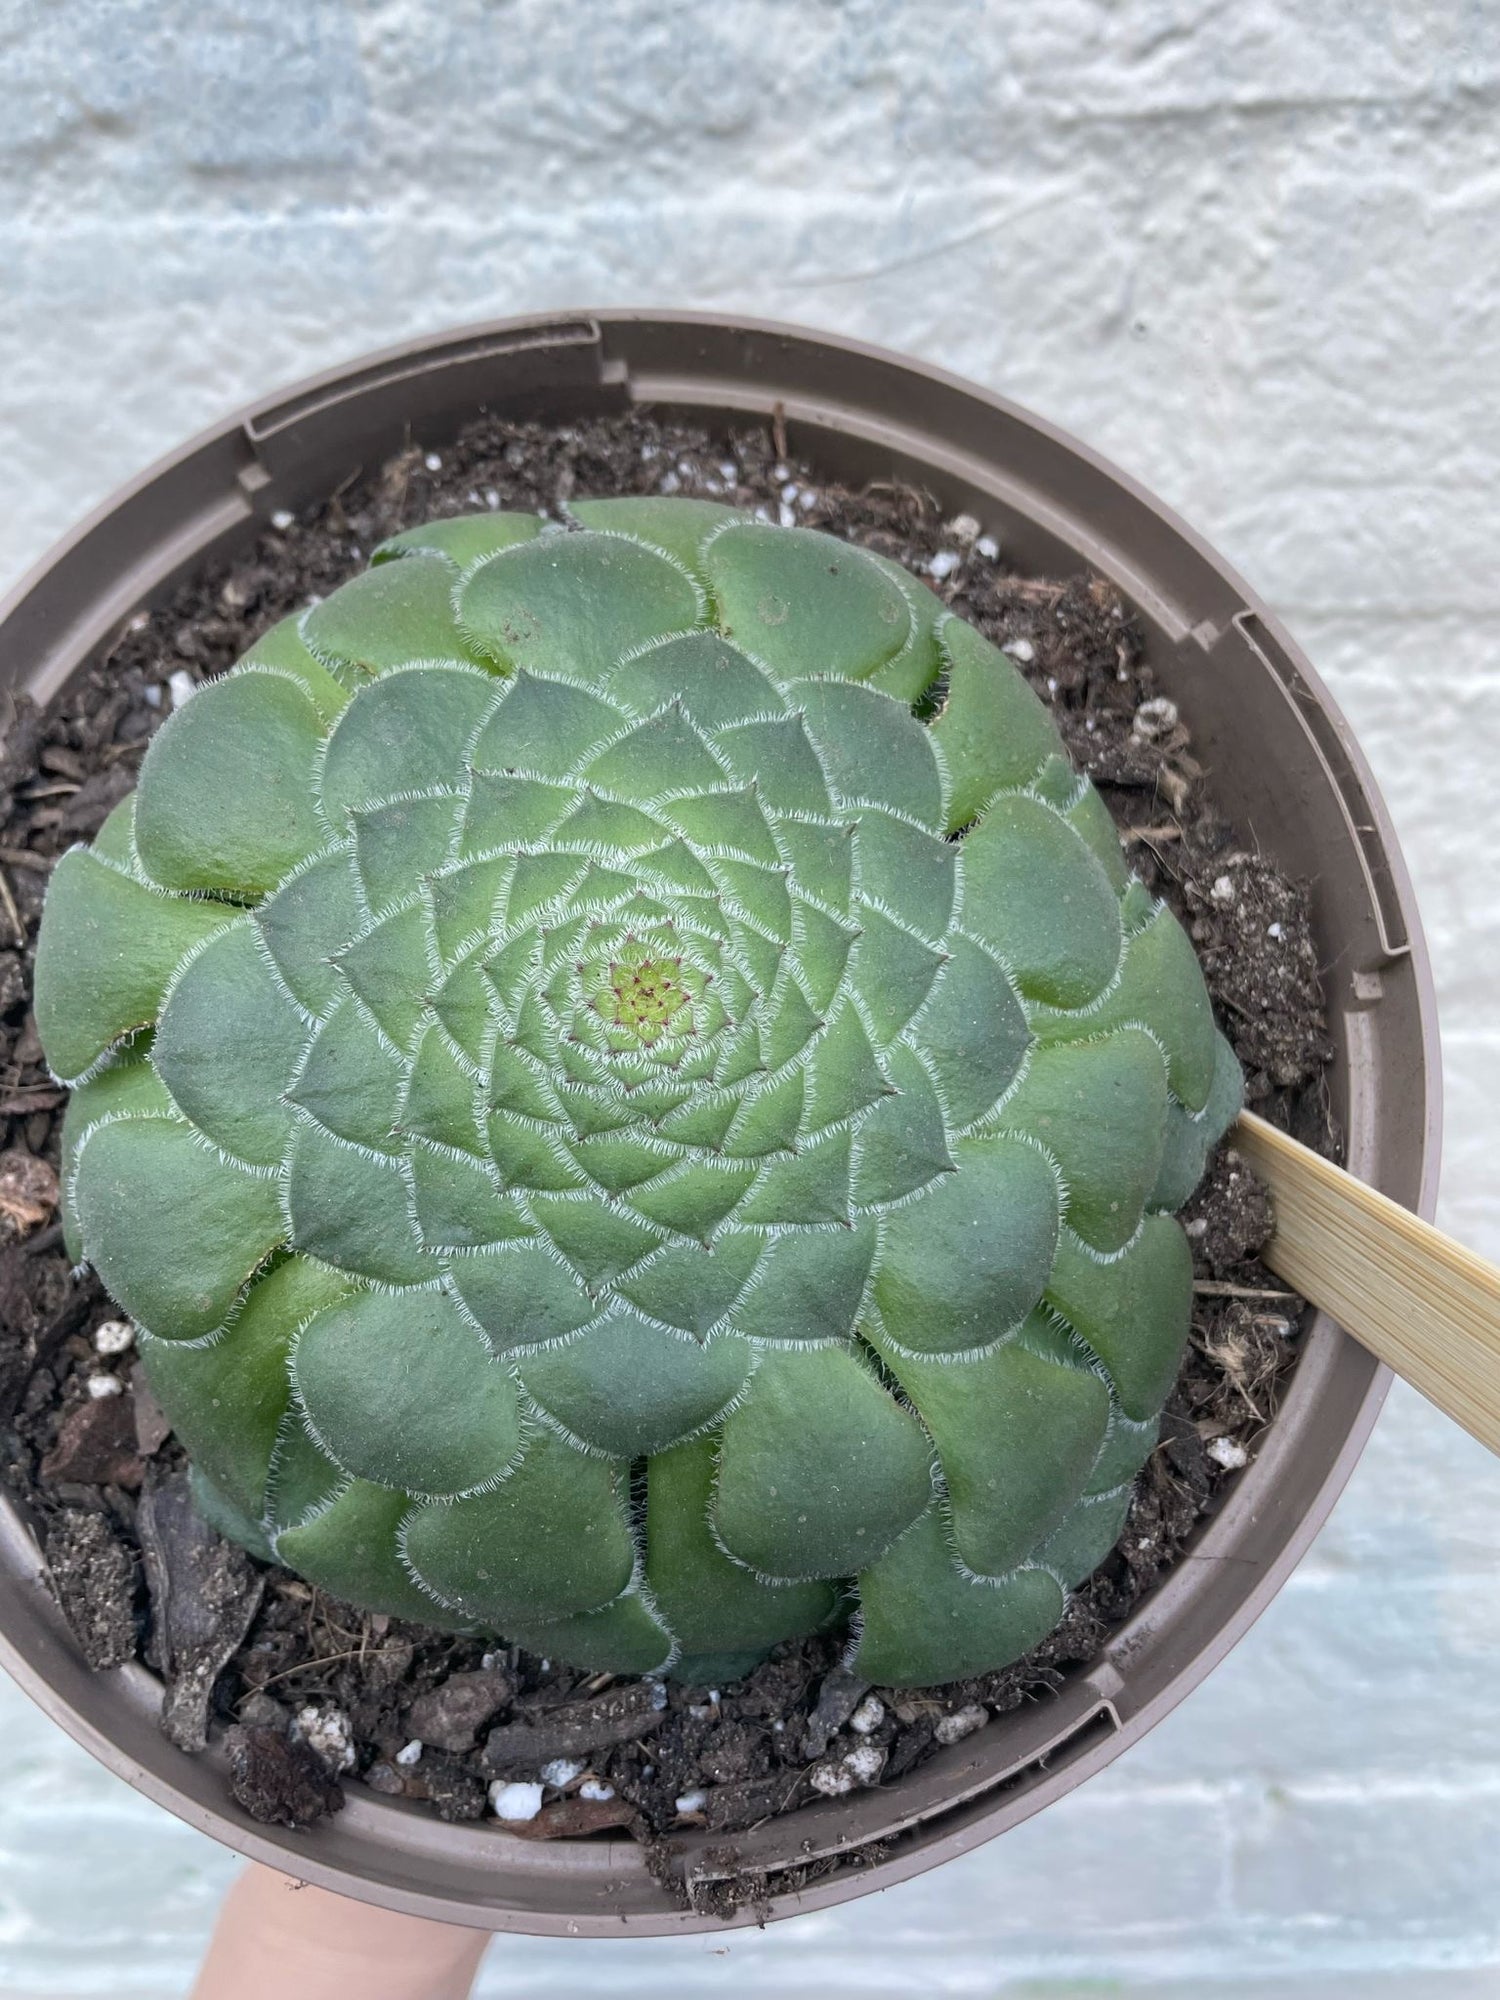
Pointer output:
x,y
1284,766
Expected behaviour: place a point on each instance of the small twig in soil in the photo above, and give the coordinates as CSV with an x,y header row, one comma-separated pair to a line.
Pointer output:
x,y
12,914
1233,1006
786,1797
302,1667
1208,1290
326,1609
21,1103
1176,787
1035,590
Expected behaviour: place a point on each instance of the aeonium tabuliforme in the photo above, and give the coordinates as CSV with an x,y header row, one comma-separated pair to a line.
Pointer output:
x,y
635,1103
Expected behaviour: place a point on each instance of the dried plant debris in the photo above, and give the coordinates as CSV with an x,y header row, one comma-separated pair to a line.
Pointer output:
x,y
204,1593
568,1731
95,1573
277,1778
450,1716
315,1691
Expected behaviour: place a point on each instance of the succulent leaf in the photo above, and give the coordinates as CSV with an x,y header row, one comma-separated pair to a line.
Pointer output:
x,y
106,958
284,647
1192,1135
551,1540
115,840
711,1604
228,995
177,1264
1018,1427
225,801
1125,1308
574,605
1037,895
463,540
1160,987
221,1514
387,618
993,733
556,1018
924,1619
677,528
303,1480
819,1470
625,1636
404,1392
127,1086
1085,1535
966,1260
408,731
629,1388
800,603
351,1547
1099,1108
1126,1447
245,1370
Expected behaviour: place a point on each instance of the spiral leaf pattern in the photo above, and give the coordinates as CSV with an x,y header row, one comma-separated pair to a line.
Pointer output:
x,y
616,1132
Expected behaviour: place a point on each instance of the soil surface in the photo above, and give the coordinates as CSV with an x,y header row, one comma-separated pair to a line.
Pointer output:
x,y
306,1691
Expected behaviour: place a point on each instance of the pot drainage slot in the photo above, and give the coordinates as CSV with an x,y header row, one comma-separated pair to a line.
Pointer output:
x,y
527,366
1353,799
756,1868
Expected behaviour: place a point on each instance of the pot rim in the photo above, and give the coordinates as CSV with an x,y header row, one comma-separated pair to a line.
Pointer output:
x,y
856,398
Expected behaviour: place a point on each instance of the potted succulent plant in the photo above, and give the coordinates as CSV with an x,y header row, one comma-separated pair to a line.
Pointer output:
x,y
637,1107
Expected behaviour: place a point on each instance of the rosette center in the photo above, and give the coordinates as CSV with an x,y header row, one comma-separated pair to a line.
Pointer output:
x,y
643,996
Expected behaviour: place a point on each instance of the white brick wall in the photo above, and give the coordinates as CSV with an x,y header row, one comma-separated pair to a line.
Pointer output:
x,y
1248,251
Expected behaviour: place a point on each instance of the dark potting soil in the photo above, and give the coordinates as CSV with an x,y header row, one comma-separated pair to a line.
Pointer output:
x,y
309,1691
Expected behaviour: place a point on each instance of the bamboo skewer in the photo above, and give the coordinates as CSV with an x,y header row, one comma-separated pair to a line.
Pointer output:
x,y
1420,1302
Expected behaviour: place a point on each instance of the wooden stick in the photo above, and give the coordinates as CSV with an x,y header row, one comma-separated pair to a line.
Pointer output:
x,y
1419,1301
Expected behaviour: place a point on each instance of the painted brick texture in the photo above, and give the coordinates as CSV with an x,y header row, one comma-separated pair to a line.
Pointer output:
x,y
1248,252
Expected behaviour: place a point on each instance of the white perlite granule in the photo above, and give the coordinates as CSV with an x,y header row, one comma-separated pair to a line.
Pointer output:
x,y
1154,719
326,1731
855,1769
1224,1451
515,1801
963,1722
562,1771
